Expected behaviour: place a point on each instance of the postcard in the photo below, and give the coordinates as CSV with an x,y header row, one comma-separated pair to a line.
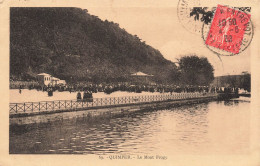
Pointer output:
x,y
141,82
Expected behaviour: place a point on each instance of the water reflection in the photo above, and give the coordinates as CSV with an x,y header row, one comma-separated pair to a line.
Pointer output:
x,y
215,127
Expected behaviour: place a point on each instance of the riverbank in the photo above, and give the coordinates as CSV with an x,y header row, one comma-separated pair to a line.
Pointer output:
x,y
242,99
102,111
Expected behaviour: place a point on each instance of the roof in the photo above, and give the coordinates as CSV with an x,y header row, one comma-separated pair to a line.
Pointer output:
x,y
140,74
54,78
45,74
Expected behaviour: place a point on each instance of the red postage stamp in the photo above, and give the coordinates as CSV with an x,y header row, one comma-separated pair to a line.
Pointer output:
x,y
227,29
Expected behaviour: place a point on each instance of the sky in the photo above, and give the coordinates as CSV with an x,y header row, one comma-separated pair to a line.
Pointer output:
x,y
160,28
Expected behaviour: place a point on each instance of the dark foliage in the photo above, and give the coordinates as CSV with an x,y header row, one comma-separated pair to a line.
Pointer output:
x,y
195,70
73,45
246,81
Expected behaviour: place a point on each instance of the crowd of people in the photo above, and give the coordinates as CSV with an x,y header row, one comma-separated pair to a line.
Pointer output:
x,y
137,88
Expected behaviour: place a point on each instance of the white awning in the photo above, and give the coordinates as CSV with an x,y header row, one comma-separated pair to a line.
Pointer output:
x,y
55,79
43,74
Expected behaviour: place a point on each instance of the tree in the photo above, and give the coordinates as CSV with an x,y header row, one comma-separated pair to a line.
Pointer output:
x,y
246,81
195,70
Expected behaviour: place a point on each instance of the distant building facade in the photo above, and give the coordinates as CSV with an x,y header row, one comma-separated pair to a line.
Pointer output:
x,y
227,81
142,78
47,79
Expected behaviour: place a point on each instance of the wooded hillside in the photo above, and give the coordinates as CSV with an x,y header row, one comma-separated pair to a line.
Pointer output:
x,y
71,44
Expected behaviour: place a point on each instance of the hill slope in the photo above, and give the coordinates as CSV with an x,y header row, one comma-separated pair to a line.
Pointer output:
x,y
71,44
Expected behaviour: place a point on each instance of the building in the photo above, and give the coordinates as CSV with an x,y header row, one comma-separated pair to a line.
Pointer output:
x,y
44,78
140,77
47,79
55,81
62,82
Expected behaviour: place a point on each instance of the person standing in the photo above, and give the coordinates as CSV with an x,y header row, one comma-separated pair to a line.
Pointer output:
x,y
79,96
20,89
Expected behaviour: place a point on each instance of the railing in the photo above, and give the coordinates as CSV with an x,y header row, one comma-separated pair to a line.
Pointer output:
x,y
29,107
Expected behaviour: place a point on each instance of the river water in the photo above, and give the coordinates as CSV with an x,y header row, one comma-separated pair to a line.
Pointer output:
x,y
209,128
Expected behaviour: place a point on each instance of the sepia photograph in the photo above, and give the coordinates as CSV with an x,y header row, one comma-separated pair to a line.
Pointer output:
x,y
129,83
